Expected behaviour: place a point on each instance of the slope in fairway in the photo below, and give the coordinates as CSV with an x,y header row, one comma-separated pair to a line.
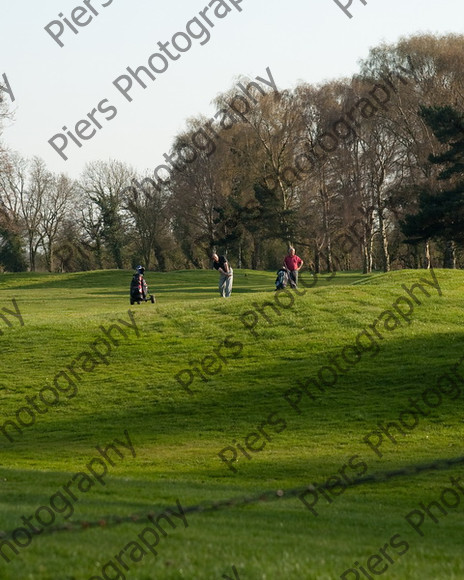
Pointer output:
x,y
249,367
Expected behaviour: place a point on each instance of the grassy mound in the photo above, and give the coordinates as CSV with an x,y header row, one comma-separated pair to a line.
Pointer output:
x,y
223,398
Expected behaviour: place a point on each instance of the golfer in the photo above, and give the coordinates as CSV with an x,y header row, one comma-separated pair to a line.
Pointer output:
x,y
226,277
293,264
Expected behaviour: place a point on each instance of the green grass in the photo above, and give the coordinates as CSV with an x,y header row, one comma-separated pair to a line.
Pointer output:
x,y
177,436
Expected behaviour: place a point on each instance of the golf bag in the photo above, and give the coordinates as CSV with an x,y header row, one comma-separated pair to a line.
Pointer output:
x,y
282,279
139,288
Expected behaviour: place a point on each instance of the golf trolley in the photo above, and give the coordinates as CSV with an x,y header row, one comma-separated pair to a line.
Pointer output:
x,y
139,288
283,279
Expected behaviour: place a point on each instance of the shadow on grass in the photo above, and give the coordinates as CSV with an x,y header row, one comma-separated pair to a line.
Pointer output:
x,y
376,389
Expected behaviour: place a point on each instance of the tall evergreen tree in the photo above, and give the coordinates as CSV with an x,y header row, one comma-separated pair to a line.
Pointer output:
x,y
441,208
12,257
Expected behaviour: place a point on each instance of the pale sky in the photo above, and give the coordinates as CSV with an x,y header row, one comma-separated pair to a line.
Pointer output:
x,y
53,86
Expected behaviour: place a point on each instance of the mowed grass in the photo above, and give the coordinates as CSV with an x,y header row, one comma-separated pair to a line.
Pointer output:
x,y
177,436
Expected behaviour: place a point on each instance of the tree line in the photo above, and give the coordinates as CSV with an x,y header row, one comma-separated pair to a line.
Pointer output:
x,y
383,149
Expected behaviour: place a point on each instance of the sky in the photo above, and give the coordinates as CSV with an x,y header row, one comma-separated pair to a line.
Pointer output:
x,y
76,84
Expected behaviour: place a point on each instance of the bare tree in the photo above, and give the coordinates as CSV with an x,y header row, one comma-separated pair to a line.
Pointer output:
x,y
103,184
149,208
23,187
57,207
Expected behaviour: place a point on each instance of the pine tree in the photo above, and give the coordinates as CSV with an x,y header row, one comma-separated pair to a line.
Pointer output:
x,y
441,208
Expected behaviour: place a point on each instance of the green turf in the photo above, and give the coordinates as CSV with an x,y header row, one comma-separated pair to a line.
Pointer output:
x,y
177,436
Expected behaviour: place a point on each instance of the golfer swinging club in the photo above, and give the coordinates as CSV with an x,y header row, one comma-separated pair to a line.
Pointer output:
x,y
226,277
